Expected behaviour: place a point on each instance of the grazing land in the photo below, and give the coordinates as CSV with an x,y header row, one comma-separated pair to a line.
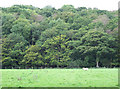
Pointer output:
x,y
59,78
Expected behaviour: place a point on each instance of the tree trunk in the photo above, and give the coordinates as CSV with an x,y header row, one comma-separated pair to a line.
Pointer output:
x,y
57,66
97,64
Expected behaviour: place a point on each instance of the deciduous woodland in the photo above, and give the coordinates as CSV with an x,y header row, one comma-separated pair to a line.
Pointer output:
x,y
67,37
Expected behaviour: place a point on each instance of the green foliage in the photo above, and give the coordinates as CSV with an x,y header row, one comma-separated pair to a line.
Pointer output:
x,y
7,23
69,8
47,11
96,43
13,48
65,37
22,27
57,52
113,23
33,57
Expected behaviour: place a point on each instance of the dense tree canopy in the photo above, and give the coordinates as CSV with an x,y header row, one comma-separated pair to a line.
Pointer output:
x,y
64,37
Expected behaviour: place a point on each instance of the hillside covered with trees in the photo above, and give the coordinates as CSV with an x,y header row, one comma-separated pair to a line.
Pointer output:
x,y
65,37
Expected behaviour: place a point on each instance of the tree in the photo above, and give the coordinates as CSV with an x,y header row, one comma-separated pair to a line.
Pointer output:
x,y
47,11
49,37
98,45
69,8
33,57
56,51
79,22
68,17
35,33
13,48
7,23
22,27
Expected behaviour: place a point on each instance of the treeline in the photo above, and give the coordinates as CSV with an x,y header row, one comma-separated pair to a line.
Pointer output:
x,y
66,37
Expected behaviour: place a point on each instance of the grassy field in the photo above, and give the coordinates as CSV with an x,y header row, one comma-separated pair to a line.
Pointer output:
x,y
59,78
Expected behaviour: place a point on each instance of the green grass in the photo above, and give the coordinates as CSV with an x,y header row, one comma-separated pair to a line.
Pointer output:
x,y
59,78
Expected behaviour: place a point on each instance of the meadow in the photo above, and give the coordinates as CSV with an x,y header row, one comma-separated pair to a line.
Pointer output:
x,y
59,78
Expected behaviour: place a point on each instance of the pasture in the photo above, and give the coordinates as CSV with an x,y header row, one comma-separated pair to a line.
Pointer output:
x,y
59,78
